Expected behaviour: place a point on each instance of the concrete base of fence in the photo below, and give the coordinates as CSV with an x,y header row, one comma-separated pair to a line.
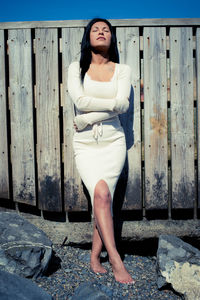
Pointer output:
x,y
81,232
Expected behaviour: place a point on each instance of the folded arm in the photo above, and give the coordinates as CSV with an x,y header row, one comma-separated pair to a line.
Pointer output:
x,y
90,118
121,102
85,103
98,109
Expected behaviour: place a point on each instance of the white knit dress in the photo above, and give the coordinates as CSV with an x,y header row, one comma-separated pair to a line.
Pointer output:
x,y
99,145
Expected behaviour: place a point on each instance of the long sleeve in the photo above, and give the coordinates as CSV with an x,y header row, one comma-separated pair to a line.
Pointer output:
x,y
123,91
99,109
90,118
84,103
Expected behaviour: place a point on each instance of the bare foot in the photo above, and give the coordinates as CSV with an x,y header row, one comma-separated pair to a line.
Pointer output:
x,y
120,272
97,267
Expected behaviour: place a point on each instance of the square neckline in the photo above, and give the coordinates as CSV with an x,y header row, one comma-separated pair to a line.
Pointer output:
x,y
111,79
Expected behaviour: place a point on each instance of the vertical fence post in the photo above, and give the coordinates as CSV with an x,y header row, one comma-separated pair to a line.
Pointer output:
x,y
74,197
155,118
47,112
129,52
198,107
21,115
4,176
182,117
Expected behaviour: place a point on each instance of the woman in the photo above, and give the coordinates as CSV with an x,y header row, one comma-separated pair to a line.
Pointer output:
x,y
100,87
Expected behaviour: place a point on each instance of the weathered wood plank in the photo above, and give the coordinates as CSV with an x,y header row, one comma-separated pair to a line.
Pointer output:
x,y
47,115
114,22
74,198
21,113
128,45
155,118
182,118
198,106
4,174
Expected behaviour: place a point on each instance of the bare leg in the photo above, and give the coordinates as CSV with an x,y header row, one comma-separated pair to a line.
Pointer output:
x,y
104,221
96,251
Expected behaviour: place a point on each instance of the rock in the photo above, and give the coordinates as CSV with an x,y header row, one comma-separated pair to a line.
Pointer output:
x,y
178,264
24,249
87,291
85,257
14,287
81,232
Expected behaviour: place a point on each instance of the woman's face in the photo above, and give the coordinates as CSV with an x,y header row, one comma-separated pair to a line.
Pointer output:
x,y
100,36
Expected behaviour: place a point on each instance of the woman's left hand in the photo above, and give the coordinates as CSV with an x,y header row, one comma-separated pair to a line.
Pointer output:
x,y
80,122
75,126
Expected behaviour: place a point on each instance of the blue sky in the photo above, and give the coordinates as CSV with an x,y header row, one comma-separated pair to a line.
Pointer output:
x,y
41,10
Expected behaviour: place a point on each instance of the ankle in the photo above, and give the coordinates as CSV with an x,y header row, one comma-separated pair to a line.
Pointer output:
x,y
114,259
94,256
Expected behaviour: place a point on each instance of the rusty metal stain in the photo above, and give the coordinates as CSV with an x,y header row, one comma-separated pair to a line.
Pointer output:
x,y
159,125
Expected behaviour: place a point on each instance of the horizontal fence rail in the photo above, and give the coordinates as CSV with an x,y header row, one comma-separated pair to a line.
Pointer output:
x,y
162,125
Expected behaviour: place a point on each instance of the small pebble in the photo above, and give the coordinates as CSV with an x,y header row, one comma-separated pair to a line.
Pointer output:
x,y
68,270
64,278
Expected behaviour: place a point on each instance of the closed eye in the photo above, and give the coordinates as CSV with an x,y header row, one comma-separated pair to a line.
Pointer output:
x,y
105,29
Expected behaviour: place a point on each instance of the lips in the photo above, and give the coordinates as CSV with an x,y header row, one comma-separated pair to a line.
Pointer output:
x,y
101,38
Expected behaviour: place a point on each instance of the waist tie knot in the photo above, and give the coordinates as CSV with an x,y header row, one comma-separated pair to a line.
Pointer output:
x,y
97,129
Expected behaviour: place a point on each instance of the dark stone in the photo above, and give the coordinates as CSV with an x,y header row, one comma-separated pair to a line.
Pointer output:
x,y
87,291
24,249
14,287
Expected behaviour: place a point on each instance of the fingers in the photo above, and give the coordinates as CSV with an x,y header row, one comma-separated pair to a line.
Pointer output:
x,y
75,127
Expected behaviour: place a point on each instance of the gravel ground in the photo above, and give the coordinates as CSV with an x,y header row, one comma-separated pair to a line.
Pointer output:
x,y
70,267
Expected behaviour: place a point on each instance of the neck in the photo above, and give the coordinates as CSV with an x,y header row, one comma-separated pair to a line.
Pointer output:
x,y
99,58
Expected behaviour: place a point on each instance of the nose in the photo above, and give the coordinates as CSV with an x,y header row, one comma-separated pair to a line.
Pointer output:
x,y
101,32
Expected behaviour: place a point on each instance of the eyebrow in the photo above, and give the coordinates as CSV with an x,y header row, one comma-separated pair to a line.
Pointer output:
x,y
105,27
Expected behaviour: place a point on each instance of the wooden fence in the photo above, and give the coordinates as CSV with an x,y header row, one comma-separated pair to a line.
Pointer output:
x,y
162,125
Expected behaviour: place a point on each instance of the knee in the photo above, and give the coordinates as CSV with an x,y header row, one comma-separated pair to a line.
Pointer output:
x,y
102,197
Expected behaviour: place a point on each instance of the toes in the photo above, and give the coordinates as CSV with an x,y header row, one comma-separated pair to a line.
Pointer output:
x,y
127,282
132,281
98,270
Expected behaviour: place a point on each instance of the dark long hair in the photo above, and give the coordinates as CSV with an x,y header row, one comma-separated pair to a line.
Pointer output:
x,y
86,55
